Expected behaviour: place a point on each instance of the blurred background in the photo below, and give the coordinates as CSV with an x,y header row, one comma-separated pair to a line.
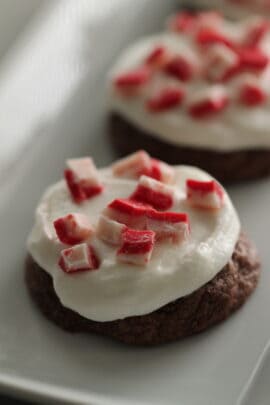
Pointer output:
x,y
14,17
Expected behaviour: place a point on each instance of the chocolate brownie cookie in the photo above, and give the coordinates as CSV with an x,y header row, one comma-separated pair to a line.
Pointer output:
x,y
243,165
205,307
140,251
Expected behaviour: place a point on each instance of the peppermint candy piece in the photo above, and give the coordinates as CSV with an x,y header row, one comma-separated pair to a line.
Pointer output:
x,y
140,163
208,102
205,194
137,247
210,36
133,80
133,165
172,226
161,171
167,99
82,179
110,231
78,258
73,228
252,59
251,93
221,63
157,57
181,68
128,212
152,192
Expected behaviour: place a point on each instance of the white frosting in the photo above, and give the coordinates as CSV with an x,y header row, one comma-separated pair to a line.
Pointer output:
x,y
116,290
237,127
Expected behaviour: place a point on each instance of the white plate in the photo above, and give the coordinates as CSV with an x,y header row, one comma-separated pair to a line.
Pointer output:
x,y
37,359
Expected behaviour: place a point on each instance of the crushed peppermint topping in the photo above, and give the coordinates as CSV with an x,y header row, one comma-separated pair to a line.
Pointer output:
x,y
82,179
133,225
214,55
205,194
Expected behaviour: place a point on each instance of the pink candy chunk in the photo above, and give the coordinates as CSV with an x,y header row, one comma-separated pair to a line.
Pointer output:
x,y
140,163
82,179
133,165
154,193
110,231
78,258
172,226
128,212
73,228
205,194
137,247
221,62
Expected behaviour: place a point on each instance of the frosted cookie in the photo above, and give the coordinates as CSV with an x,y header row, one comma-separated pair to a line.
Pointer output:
x,y
197,94
141,251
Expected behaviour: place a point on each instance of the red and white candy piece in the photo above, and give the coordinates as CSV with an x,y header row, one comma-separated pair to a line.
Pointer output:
x,y
250,91
183,22
208,102
205,194
172,226
128,212
110,231
161,171
140,163
131,81
181,67
73,228
221,62
137,247
78,258
157,57
82,179
252,59
210,36
133,166
153,192
255,31
166,99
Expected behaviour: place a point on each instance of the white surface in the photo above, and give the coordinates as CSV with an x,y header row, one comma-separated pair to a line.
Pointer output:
x,y
118,290
14,16
37,360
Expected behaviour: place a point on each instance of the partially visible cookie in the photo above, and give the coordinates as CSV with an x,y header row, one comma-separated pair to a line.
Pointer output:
x,y
207,306
197,93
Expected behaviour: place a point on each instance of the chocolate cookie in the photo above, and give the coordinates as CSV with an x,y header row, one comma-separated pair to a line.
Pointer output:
x,y
243,165
189,315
